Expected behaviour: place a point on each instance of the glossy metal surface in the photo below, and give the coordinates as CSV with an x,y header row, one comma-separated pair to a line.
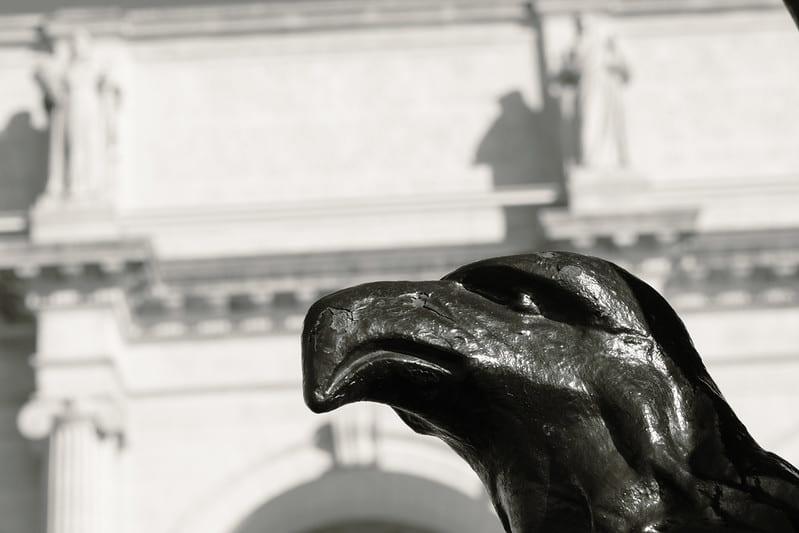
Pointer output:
x,y
569,385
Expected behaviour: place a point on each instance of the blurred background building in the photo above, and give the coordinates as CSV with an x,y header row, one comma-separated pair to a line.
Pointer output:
x,y
178,182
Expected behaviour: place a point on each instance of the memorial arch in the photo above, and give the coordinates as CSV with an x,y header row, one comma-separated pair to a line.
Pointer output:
x,y
373,501
368,527
407,488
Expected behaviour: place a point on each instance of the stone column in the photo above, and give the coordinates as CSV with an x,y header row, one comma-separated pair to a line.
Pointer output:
x,y
83,442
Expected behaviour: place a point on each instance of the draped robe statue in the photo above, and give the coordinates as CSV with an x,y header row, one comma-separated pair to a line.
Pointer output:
x,y
81,101
593,77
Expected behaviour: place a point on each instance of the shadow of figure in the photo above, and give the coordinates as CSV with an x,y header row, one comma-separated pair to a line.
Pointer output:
x,y
332,438
18,466
23,163
522,148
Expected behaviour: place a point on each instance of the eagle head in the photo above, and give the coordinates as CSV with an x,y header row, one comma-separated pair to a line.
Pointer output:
x,y
569,385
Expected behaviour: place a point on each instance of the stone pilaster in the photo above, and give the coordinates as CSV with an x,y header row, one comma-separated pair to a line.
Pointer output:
x,y
82,462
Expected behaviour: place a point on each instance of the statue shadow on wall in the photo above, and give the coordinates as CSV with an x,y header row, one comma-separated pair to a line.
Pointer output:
x,y
23,171
522,148
325,440
23,162
17,385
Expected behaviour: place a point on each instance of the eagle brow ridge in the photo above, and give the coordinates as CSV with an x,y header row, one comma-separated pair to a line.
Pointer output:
x,y
555,301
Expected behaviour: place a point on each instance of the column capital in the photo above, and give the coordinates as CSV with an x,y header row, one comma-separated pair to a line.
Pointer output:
x,y
37,418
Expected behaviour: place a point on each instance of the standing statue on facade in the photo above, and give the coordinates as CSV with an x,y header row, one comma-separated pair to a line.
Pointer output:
x,y
592,82
569,385
81,101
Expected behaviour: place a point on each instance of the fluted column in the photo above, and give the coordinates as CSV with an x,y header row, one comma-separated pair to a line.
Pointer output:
x,y
83,440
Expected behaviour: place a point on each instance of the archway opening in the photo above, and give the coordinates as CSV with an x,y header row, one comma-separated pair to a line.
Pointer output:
x,y
370,500
369,527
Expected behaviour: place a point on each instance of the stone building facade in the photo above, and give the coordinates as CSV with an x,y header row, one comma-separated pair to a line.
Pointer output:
x,y
256,156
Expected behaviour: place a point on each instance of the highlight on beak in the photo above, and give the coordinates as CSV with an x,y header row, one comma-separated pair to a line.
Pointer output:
x,y
360,343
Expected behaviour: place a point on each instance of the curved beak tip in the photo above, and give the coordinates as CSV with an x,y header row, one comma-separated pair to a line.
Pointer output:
x,y
315,403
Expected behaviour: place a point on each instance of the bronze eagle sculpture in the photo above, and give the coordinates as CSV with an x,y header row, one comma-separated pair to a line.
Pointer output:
x,y
569,385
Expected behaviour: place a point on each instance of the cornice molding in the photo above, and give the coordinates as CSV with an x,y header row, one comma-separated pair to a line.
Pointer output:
x,y
278,17
256,300
653,7
133,220
622,229
285,16
269,295
63,260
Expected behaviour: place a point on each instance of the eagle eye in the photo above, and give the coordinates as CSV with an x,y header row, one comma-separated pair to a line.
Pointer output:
x,y
526,303
526,294
504,287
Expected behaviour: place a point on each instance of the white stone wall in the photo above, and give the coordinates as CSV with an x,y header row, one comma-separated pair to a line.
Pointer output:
x,y
753,355
300,117
714,96
283,121
219,427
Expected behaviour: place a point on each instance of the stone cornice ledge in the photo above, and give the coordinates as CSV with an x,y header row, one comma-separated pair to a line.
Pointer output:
x,y
533,195
28,260
653,7
261,17
329,15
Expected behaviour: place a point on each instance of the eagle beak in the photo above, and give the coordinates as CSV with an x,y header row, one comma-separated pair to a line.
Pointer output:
x,y
373,341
